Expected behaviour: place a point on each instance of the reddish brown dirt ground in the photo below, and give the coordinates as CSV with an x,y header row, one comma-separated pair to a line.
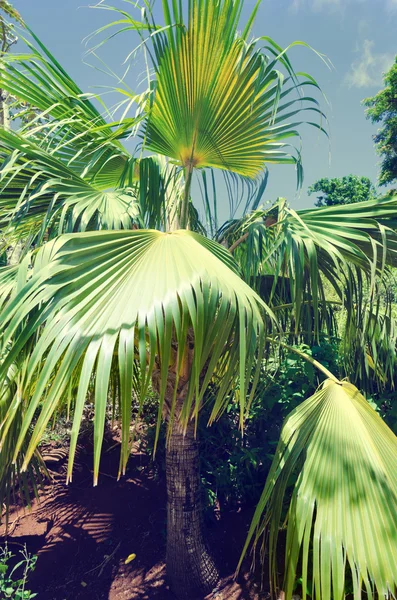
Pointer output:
x,y
83,535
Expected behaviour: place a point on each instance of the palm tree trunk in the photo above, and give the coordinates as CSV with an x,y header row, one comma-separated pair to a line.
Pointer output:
x,y
191,570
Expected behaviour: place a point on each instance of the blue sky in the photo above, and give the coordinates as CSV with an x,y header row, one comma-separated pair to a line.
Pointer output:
x,y
358,36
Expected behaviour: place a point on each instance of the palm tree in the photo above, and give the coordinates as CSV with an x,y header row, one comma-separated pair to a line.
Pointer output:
x,y
119,288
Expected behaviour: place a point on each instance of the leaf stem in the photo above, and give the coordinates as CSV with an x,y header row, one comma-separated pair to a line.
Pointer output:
x,y
238,242
306,357
184,216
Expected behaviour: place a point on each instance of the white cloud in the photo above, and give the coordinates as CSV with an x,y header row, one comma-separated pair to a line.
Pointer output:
x,y
368,69
317,4
338,6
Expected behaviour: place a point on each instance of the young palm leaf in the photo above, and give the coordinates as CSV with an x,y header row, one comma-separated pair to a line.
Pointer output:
x,y
342,517
219,100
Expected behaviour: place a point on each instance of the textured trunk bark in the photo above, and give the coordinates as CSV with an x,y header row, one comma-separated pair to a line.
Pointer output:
x,y
191,570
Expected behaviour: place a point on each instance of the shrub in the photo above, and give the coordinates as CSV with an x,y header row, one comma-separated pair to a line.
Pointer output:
x,y
13,579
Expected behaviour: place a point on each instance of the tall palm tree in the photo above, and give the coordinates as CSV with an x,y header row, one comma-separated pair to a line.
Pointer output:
x,y
120,289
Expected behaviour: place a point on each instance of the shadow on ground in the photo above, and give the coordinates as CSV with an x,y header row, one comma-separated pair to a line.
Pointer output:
x,y
83,536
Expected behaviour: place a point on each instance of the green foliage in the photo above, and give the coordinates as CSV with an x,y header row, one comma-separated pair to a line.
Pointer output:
x,y
342,190
385,403
8,38
8,9
233,110
14,577
382,109
331,253
344,461
195,292
106,315
15,481
233,467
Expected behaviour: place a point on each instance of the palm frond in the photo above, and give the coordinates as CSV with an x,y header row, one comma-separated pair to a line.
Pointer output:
x,y
369,343
335,243
10,278
38,189
308,264
65,119
39,192
143,299
369,226
342,516
219,100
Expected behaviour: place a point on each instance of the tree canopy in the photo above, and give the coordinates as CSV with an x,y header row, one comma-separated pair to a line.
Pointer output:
x,y
342,190
382,108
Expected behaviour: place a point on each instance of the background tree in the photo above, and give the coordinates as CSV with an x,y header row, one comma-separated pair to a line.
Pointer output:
x,y
382,108
342,190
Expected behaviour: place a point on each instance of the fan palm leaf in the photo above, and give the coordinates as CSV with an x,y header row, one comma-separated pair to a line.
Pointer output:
x,y
354,234
219,100
335,243
318,259
134,297
65,120
39,192
37,186
343,511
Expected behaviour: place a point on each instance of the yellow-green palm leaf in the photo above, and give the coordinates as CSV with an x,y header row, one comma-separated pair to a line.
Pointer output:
x,y
217,99
343,512
132,302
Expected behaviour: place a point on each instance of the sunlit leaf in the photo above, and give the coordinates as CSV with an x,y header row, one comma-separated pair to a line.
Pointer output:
x,y
342,518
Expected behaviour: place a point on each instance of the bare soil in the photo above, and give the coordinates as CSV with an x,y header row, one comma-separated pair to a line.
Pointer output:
x,y
84,535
